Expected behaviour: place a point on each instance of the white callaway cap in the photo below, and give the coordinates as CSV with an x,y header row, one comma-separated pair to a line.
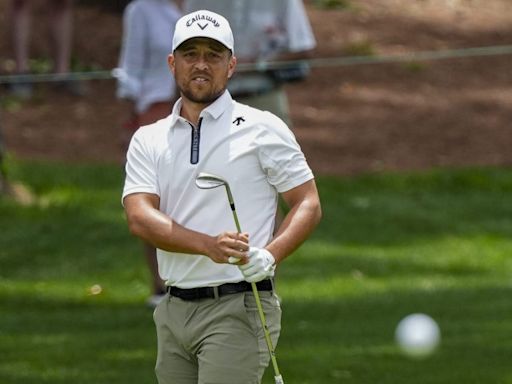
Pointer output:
x,y
203,24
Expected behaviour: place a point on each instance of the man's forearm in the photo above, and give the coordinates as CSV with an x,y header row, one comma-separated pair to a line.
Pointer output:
x,y
164,233
150,224
296,227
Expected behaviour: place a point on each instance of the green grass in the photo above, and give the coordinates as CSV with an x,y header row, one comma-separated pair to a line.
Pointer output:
x,y
436,242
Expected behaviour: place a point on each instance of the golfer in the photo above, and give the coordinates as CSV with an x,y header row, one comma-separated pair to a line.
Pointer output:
x,y
208,328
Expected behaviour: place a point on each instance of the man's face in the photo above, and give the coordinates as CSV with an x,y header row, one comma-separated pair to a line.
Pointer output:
x,y
201,68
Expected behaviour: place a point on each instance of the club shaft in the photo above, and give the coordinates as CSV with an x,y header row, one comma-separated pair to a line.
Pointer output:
x,y
261,313
265,330
235,217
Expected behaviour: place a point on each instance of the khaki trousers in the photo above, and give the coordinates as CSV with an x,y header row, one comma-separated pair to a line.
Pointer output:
x,y
214,341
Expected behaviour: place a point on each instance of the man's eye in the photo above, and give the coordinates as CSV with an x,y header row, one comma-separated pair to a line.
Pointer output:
x,y
214,55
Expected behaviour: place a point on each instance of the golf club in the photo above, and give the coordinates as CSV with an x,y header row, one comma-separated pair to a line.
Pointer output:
x,y
209,181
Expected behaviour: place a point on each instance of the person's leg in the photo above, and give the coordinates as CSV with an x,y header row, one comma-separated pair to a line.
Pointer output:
x,y
61,28
272,309
174,364
231,342
19,16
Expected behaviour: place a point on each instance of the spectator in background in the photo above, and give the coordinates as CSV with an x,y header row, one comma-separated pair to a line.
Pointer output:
x,y
145,82
60,13
265,30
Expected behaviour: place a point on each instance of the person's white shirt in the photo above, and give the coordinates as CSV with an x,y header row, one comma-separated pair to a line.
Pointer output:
x,y
253,150
143,73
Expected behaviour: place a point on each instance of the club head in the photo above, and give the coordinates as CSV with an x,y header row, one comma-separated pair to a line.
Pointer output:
x,y
208,181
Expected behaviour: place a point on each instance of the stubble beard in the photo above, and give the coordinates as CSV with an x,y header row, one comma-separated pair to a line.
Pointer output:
x,y
205,95
195,97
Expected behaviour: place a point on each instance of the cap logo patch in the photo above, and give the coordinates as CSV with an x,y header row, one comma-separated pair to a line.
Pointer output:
x,y
200,17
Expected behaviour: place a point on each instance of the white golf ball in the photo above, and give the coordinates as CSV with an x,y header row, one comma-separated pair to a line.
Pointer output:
x,y
95,289
418,335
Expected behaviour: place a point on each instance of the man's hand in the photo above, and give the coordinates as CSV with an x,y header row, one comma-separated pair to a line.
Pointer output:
x,y
261,265
228,246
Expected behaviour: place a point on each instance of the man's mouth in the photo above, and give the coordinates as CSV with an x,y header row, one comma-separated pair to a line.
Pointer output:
x,y
200,79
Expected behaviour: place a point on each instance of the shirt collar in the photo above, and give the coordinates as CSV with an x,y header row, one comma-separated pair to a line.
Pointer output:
x,y
215,110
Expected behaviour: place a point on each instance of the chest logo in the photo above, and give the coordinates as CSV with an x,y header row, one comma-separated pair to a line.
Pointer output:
x,y
238,120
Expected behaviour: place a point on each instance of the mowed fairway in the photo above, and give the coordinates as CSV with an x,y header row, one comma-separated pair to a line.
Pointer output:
x,y
389,245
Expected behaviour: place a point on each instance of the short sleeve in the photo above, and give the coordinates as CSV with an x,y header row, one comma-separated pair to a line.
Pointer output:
x,y
141,176
281,157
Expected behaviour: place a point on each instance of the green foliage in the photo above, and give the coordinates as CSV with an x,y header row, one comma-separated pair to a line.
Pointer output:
x,y
333,4
436,242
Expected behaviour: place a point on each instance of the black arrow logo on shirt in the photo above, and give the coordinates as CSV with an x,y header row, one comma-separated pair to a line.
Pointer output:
x,y
238,120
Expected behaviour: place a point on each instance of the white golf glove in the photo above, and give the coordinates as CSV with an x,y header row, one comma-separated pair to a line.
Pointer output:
x,y
261,265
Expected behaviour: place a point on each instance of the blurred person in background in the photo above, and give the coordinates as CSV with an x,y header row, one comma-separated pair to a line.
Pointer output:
x,y
146,84
265,30
60,14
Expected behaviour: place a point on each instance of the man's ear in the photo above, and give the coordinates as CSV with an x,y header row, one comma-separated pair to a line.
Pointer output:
x,y
232,66
170,62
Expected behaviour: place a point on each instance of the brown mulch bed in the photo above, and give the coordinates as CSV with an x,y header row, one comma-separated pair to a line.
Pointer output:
x,y
348,119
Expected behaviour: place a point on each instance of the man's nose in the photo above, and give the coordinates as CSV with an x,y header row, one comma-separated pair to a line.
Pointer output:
x,y
201,62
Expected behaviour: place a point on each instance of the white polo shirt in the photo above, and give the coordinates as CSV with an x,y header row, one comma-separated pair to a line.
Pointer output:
x,y
254,151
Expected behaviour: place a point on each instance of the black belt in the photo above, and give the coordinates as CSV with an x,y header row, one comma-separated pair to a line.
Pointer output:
x,y
212,292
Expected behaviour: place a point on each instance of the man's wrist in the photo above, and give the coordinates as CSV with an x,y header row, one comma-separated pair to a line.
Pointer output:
x,y
273,254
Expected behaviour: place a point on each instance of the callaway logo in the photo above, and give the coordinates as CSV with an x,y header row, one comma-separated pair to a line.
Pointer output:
x,y
205,20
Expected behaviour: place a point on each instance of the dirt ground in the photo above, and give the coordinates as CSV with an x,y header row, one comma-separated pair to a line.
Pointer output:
x,y
348,119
